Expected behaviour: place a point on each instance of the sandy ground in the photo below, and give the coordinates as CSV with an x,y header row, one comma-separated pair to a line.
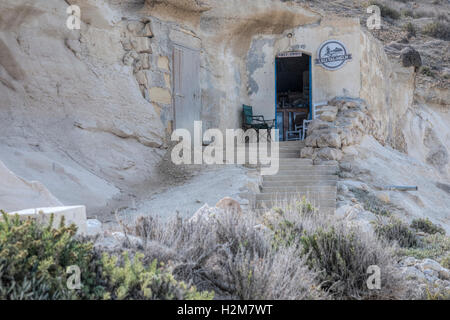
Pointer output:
x,y
209,186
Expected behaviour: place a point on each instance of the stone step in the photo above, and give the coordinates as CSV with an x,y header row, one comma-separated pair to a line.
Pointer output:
x,y
313,196
299,143
305,171
300,188
324,168
323,203
289,155
301,177
305,168
295,161
300,183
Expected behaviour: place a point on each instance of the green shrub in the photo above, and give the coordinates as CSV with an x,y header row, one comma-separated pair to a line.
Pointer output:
x,y
396,231
34,259
426,71
445,262
408,13
130,279
434,246
425,225
438,29
371,203
410,29
343,256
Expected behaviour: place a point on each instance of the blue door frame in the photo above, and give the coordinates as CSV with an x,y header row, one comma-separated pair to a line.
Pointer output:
x,y
310,92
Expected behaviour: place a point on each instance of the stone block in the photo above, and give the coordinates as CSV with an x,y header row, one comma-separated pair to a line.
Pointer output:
x,y
160,95
141,45
71,214
330,154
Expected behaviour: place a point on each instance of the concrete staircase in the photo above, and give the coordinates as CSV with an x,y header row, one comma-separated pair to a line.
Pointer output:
x,y
297,178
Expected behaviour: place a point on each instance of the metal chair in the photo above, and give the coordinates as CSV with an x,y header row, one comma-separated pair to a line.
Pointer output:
x,y
257,122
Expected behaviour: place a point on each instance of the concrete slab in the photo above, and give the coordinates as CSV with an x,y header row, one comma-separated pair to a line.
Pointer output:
x,y
72,214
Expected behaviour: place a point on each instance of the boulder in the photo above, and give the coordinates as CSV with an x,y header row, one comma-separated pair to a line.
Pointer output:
x,y
430,264
383,196
94,227
318,124
329,139
228,204
307,152
311,140
204,213
141,45
330,154
135,27
410,57
328,116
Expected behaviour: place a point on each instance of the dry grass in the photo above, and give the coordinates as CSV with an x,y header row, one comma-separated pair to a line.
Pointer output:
x,y
288,253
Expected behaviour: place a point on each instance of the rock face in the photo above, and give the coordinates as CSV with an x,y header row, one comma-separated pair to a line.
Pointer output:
x,y
72,114
17,193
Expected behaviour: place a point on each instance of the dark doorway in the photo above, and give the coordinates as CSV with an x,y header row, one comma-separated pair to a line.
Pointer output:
x,y
293,95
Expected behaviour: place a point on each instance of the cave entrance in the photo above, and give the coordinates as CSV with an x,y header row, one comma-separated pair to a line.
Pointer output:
x,y
293,94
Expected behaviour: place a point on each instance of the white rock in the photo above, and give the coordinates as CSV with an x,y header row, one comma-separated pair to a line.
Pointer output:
x,y
413,273
444,274
204,213
429,264
383,196
330,154
307,152
408,262
121,237
229,204
328,116
94,227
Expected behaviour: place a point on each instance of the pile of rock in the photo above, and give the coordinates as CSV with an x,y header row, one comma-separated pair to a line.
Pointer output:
x,y
339,124
428,273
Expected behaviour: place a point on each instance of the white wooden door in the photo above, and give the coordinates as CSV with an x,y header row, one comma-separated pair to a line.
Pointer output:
x,y
187,102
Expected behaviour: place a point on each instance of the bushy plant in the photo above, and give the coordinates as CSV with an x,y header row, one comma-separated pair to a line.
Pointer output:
x,y
230,254
394,230
410,29
425,225
343,256
131,279
34,259
438,29
445,262
426,71
434,246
